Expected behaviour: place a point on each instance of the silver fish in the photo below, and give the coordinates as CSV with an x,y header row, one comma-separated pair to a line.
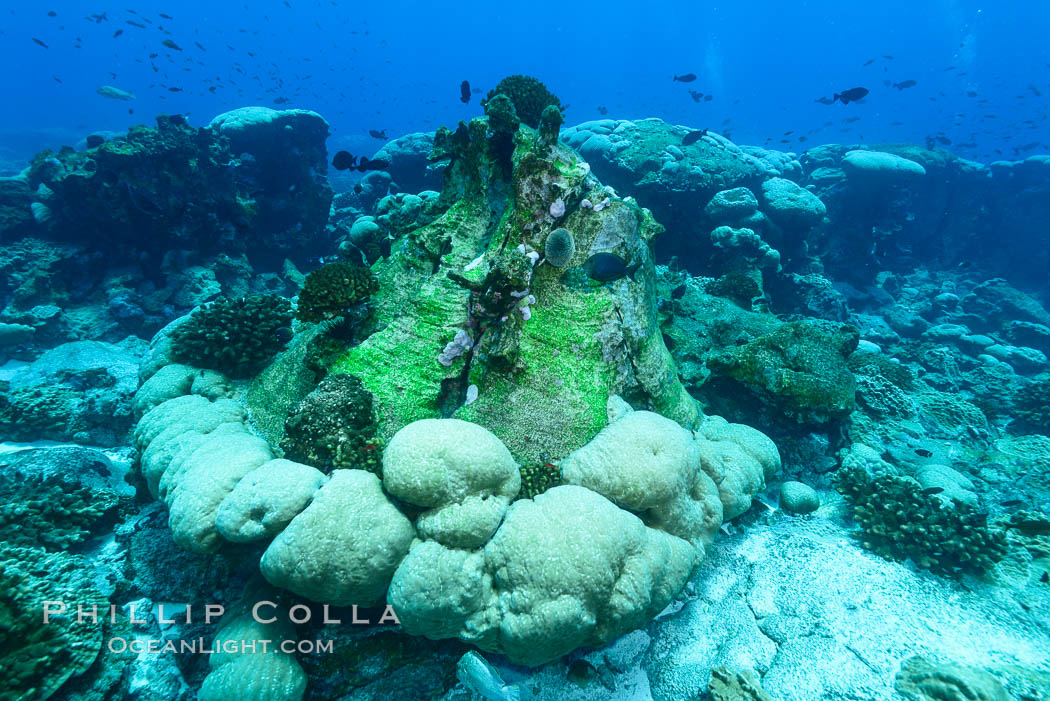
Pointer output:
x,y
482,678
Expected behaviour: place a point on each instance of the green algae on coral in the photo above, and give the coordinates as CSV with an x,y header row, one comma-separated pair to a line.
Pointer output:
x,y
547,352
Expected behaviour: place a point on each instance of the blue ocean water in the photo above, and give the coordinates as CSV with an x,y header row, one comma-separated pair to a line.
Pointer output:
x,y
980,68
708,359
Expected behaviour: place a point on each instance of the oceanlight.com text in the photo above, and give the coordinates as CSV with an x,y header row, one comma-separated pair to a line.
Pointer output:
x,y
203,646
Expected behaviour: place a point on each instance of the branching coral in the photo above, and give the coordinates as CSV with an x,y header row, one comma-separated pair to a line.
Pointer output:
x,y
330,290
334,427
234,336
899,520
529,96
537,479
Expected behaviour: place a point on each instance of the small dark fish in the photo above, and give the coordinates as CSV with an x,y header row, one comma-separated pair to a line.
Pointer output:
x,y
174,89
944,140
678,292
133,23
923,453
200,46
464,92
52,13
603,110
825,100
930,491
343,161
40,43
358,189
869,62
171,45
708,98
1012,502
687,78
581,673
693,136
887,57
609,267
851,95
375,164
1045,578
118,33
697,96
56,79
378,134
905,84
98,18
281,100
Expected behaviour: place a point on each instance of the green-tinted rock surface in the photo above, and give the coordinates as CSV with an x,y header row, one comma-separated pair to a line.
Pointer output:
x,y
536,350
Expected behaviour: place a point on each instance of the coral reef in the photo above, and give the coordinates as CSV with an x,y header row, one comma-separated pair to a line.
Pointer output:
x,y
900,520
171,185
547,346
528,96
922,680
330,290
37,659
477,329
1032,405
78,391
234,336
334,427
800,368
447,428
49,512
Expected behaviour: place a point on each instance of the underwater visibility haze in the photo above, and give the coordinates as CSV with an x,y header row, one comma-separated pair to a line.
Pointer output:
x,y
667,352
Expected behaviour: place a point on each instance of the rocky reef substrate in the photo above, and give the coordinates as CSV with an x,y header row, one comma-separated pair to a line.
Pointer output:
x,y
493,412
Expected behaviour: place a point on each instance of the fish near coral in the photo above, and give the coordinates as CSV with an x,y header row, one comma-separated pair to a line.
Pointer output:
x,y
609,267
477,675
